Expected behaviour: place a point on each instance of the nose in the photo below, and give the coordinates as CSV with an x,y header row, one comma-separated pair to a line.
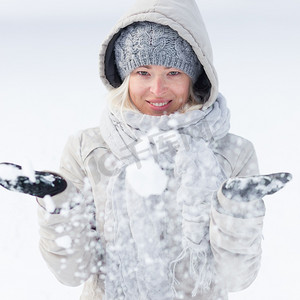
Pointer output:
x,y
158,86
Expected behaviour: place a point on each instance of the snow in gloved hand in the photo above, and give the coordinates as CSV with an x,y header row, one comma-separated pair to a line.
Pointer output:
x,y
14,178
254,187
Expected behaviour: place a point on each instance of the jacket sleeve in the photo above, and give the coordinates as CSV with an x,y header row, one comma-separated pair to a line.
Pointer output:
x,y
236,229
69,242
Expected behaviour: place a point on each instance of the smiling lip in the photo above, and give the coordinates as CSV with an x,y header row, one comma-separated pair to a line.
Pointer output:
x,y
159,104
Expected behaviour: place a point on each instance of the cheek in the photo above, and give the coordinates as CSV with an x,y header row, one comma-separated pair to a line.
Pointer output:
x,y
135,90
183,91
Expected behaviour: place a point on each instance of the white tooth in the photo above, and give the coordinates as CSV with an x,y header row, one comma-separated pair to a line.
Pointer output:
x,y
159,104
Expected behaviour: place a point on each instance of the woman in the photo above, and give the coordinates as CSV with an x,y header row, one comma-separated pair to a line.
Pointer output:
x,y
160,201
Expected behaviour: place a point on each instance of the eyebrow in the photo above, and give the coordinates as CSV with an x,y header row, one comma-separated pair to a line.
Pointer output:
x,y
148,67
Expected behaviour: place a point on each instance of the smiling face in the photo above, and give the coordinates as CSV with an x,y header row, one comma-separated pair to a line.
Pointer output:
x,y
158,90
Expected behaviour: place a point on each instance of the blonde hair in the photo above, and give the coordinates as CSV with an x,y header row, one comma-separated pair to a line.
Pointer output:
x,y
119,99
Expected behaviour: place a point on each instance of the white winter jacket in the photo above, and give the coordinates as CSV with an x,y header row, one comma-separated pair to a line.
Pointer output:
x,y
73,242
67,239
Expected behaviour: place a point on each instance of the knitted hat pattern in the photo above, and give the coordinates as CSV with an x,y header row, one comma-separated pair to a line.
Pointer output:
x,y
148,43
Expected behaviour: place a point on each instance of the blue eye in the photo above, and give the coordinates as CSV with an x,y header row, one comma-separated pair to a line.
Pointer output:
x,y
173,73
142,73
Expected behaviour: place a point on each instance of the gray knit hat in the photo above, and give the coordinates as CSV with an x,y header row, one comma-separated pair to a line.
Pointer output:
x,y
147,43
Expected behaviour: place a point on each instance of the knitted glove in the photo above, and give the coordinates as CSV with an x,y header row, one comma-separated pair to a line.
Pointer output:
x,y
40,184
245,189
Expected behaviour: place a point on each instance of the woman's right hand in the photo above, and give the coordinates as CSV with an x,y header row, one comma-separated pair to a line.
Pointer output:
x,y
40,184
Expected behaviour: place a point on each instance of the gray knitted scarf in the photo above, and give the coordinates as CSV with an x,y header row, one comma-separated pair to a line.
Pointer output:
x,y
158,201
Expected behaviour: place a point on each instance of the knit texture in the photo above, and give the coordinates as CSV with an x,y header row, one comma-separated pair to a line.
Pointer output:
x,y
147,43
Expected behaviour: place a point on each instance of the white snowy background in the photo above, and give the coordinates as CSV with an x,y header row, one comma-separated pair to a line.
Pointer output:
x,y
49,89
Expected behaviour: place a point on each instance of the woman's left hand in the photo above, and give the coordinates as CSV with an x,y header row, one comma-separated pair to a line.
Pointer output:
x,y
244,189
